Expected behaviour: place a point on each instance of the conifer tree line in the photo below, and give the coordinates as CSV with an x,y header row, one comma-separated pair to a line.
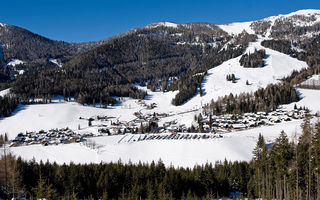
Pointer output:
x,y
253,60
7,105
188,87
288,168
264,99
231,77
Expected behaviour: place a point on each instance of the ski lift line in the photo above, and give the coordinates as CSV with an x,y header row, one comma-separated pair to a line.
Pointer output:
x,y
130,138
122,139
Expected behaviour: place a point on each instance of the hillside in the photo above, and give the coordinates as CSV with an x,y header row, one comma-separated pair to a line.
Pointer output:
x,y
21,49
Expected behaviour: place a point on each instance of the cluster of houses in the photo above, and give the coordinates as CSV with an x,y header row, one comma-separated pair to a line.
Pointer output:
x,y
119,127
220,124
145,105
227,123
53,136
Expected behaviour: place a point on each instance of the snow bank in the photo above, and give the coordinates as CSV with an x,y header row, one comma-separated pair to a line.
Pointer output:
x,y
4,92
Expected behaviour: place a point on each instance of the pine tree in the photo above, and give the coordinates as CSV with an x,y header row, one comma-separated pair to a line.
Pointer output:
x,y
233,78
210,121
90,122
142,129
104,196
316,155
259,161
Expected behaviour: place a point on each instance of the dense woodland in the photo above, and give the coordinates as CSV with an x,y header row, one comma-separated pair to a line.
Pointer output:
x,y
253,102
7,105
24,45
285,169
253,60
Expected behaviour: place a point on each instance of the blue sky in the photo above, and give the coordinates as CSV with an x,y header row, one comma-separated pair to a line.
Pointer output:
x,y
92,20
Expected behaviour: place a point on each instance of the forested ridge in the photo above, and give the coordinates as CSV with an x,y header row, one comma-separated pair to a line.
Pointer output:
x,y
22,44
144,55
285,169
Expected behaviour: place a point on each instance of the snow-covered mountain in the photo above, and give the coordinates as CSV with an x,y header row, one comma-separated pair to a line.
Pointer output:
x,y
162,54
302,23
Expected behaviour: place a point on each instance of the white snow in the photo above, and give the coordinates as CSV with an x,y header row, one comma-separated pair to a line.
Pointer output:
x,y
4,92
15,62
56,62
310,99
166,24
305,12
60,115
237,28
312,81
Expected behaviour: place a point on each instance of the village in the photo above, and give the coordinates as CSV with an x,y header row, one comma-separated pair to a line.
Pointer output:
x,y
148,125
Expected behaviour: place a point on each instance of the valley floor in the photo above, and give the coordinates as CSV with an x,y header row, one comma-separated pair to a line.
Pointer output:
x,y
179,153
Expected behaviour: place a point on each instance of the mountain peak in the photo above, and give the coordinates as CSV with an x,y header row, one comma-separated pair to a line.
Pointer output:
x,y
2,25
305,12
165,24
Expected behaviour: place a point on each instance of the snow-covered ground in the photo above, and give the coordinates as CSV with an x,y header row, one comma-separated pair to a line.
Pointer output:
x,y
233,146
310,99
56,62
237,28
15,62
61,115
4,92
